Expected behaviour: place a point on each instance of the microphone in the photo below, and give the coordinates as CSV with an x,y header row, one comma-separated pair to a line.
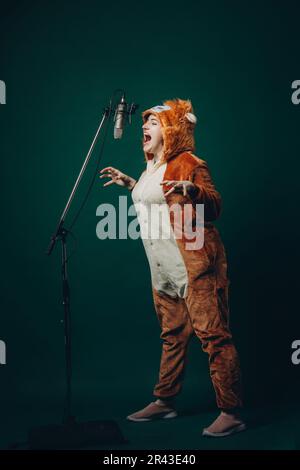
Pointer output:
x,y
120,118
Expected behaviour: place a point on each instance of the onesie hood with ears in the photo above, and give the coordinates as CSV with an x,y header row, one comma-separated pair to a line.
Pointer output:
x,y
177,121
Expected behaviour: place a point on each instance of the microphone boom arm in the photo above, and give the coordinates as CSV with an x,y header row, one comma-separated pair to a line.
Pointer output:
x,y
59,228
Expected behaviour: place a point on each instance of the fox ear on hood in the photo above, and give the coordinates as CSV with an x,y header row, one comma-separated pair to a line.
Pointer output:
x,y
191,117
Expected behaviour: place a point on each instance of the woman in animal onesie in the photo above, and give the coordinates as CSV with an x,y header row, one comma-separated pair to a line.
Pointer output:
x,y
189,276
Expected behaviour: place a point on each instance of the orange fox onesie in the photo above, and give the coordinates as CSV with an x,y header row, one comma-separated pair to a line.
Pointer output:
x,y
190,286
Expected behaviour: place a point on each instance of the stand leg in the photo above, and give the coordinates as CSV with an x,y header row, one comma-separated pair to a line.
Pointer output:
x,y
67,419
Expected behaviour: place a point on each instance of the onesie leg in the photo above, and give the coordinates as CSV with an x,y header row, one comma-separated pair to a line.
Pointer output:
x,y
176,331
208,310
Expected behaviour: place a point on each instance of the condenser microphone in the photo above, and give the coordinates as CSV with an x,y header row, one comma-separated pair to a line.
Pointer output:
x,y
120,118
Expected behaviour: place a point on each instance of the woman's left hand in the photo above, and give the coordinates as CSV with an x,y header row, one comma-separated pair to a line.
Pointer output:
x,y
184,187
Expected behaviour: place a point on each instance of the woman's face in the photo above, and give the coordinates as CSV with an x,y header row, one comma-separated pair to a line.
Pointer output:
x,y
153,139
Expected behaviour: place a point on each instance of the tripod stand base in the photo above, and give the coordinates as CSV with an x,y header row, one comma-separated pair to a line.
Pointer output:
x,y
75,435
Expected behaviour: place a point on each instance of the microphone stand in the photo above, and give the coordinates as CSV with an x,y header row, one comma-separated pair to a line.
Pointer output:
x,y
72,433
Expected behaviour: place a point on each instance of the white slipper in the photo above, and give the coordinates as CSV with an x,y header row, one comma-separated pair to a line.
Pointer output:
x,y
172,414
238,428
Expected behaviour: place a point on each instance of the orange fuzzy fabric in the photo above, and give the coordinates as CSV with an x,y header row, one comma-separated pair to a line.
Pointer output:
x,y
177,130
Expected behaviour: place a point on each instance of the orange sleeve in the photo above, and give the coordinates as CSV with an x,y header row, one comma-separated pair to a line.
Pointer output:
x,y
206,192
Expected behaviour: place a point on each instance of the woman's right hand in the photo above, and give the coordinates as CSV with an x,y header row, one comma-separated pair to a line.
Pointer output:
x,y
117,177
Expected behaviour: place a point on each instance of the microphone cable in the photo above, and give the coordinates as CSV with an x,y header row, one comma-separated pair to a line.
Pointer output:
x,y
75,218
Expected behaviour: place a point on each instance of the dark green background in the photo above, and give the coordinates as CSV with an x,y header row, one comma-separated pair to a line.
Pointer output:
x,y
61,62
